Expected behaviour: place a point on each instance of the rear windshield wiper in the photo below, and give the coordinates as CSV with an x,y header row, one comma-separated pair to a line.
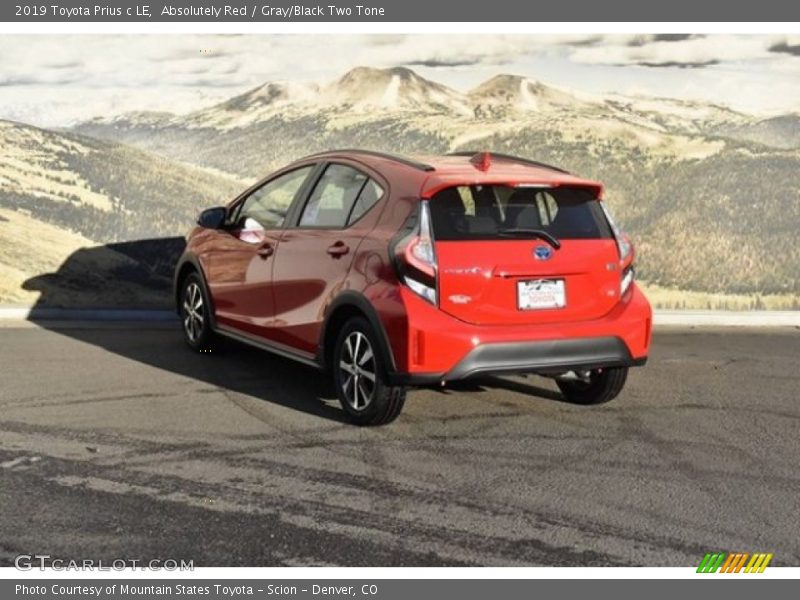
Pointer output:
x,y
538,233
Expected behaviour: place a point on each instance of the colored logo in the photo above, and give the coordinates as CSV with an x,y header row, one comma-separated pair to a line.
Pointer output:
x,y
542,253
734,562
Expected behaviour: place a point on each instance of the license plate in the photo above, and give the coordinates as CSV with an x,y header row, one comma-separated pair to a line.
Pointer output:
x,y
541,293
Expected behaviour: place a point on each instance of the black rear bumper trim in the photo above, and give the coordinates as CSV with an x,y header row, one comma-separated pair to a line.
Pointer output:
x,y
544,357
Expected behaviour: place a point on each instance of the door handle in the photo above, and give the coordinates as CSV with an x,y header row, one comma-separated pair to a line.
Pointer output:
x,y
265,250
338,249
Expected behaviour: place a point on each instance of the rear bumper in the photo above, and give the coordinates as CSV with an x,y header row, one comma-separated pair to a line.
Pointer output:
x,y
544,358
442,348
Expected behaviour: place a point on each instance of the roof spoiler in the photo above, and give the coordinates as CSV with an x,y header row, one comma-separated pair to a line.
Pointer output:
x,y
483,160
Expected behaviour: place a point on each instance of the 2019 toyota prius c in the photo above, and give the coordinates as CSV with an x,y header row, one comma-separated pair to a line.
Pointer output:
x,y
391,272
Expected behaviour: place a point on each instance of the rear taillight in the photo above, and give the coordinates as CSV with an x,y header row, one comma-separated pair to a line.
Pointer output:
x,y
625,249
415,255
623,243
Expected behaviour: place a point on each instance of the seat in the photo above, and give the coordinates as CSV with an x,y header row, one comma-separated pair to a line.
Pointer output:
x,y
481,225
330,217
486,203
451,213
522,213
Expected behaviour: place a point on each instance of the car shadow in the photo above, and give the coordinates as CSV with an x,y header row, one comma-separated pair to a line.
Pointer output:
x,y
138,274
236,369
493,382
124,275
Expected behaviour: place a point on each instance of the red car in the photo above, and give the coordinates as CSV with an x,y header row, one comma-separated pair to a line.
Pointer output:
x,y
391,272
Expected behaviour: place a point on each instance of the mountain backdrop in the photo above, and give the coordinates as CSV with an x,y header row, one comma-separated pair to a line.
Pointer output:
x,y
710,196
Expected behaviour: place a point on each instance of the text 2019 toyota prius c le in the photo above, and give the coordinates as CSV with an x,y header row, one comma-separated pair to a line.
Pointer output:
x,y
391,272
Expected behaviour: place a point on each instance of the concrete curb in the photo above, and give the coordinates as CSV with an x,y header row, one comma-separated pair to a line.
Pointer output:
x,y
756,318
661,317
86,314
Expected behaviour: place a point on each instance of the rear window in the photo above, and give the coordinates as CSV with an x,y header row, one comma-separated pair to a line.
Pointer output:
x,y
489,212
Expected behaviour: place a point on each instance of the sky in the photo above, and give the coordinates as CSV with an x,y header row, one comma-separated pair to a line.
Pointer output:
x,y
57,81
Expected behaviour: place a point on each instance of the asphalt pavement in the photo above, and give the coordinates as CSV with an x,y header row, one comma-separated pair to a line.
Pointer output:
x,y
117,442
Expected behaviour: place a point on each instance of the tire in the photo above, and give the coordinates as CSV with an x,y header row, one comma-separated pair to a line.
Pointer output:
x,y
194,309
603,386
359,376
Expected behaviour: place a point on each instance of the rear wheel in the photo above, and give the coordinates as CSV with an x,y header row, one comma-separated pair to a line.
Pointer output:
x,y
599,386
359,376
195,314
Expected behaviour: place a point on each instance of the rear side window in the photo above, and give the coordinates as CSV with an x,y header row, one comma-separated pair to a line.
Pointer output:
x,y
333,197
488,212
369,196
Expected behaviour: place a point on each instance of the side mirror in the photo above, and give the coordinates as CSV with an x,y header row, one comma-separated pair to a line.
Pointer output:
x,y
212,218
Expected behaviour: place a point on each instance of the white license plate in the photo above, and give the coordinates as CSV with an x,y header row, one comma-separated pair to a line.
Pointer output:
x,y
541,293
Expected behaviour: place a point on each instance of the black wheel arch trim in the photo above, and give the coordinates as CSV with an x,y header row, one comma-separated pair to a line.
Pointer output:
x,y
362,304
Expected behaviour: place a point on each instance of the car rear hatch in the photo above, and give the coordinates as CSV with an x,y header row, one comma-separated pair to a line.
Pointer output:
x,y
517,254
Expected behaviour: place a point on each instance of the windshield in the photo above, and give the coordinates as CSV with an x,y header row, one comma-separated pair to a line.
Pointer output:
x,y
490,212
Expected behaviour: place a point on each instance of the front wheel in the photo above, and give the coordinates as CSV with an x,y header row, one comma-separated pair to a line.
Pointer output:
x,y
359,376
195,311
601,385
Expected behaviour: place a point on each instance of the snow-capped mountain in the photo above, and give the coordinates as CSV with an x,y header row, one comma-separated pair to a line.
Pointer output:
x,y
255,105
398,109
513,92
361,91
373,94
399,88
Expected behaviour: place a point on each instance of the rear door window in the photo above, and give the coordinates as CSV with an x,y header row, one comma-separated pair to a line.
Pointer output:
x,y
333,197
487,212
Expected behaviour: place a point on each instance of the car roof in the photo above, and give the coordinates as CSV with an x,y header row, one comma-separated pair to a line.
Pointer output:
x,y
436,172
